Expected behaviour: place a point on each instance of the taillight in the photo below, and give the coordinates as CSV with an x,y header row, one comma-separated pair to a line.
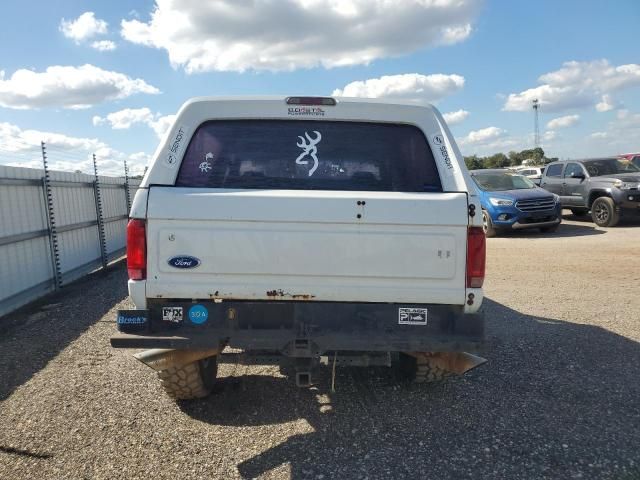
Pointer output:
x,y
136,250
476,253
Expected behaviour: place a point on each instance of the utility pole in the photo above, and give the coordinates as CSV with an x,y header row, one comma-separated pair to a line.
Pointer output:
x,y
536,126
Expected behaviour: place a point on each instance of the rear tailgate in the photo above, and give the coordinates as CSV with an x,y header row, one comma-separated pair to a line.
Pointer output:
x,y
308,245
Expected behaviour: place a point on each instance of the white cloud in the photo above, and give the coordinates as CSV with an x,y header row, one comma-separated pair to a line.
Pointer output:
x,y
625,121
104,45
162,124
123,119
599,135
227,35
606,104
491,140
67,87
21,148
84,27
14,139
482,136
409,86
453,118
577,85
563,122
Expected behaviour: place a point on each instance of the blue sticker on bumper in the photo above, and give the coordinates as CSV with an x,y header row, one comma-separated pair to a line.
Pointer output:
x,y
132,320
198,314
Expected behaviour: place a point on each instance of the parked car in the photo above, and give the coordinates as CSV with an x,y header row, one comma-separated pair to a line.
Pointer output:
x,y
513,202
304,230
532,173
608,187
632,157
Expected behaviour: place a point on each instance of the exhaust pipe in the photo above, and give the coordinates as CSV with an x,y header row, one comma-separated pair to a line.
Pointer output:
x,y
163,358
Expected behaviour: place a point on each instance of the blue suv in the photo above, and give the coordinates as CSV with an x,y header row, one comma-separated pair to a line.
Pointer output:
x,y
513,202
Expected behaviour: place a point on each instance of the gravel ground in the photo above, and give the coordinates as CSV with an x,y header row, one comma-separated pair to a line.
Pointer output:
x,y
558,398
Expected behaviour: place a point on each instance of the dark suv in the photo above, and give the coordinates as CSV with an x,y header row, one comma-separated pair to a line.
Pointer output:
x,y
606,186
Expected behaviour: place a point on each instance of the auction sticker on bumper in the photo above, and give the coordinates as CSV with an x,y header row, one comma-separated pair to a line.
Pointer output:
x,y
172,314
412,316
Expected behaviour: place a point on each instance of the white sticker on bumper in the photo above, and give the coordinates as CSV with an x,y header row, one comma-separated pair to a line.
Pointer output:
x,y
172,314
412,316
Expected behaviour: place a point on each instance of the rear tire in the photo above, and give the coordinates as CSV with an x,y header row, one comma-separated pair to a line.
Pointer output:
x,y
420,370
604,212
487,225
193,380
579,212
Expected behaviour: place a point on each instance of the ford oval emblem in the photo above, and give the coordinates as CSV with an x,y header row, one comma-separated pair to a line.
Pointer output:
x,y
184,261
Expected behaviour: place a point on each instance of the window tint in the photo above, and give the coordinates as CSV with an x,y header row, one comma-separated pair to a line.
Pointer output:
x,y
573,168
554,170
609,166
495,182
307,155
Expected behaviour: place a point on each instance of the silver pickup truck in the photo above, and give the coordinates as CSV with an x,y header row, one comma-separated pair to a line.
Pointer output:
x,y
304,230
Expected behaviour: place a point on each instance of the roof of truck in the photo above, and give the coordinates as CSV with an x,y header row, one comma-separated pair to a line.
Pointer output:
x,y
258,98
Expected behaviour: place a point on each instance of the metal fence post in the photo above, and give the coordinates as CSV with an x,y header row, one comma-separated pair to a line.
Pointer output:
x,y
99,215
51,222
127,194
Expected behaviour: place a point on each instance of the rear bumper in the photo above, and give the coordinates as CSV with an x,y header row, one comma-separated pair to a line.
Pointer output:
x,y
304,329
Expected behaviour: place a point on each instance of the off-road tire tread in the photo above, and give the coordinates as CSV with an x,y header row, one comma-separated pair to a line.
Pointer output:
x,y
426,372
184,383
614,217
417,368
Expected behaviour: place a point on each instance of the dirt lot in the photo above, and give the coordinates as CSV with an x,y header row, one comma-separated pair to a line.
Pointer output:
x,y
559,397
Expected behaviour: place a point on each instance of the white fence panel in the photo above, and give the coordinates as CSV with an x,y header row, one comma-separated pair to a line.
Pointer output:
x,y
26,267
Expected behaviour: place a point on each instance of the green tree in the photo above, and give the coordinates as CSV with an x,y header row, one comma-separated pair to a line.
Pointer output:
x,y
499,160
473,162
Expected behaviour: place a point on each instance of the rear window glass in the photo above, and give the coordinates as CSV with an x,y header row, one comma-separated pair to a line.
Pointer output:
x,y
309,155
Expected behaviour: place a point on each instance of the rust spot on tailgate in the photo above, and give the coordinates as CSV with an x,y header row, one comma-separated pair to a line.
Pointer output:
x,y
282,294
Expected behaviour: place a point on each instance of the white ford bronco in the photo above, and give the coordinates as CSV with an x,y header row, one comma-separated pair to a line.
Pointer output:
x,y
304,230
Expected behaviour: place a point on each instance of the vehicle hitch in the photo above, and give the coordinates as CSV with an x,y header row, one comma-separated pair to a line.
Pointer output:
x,y
303,368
